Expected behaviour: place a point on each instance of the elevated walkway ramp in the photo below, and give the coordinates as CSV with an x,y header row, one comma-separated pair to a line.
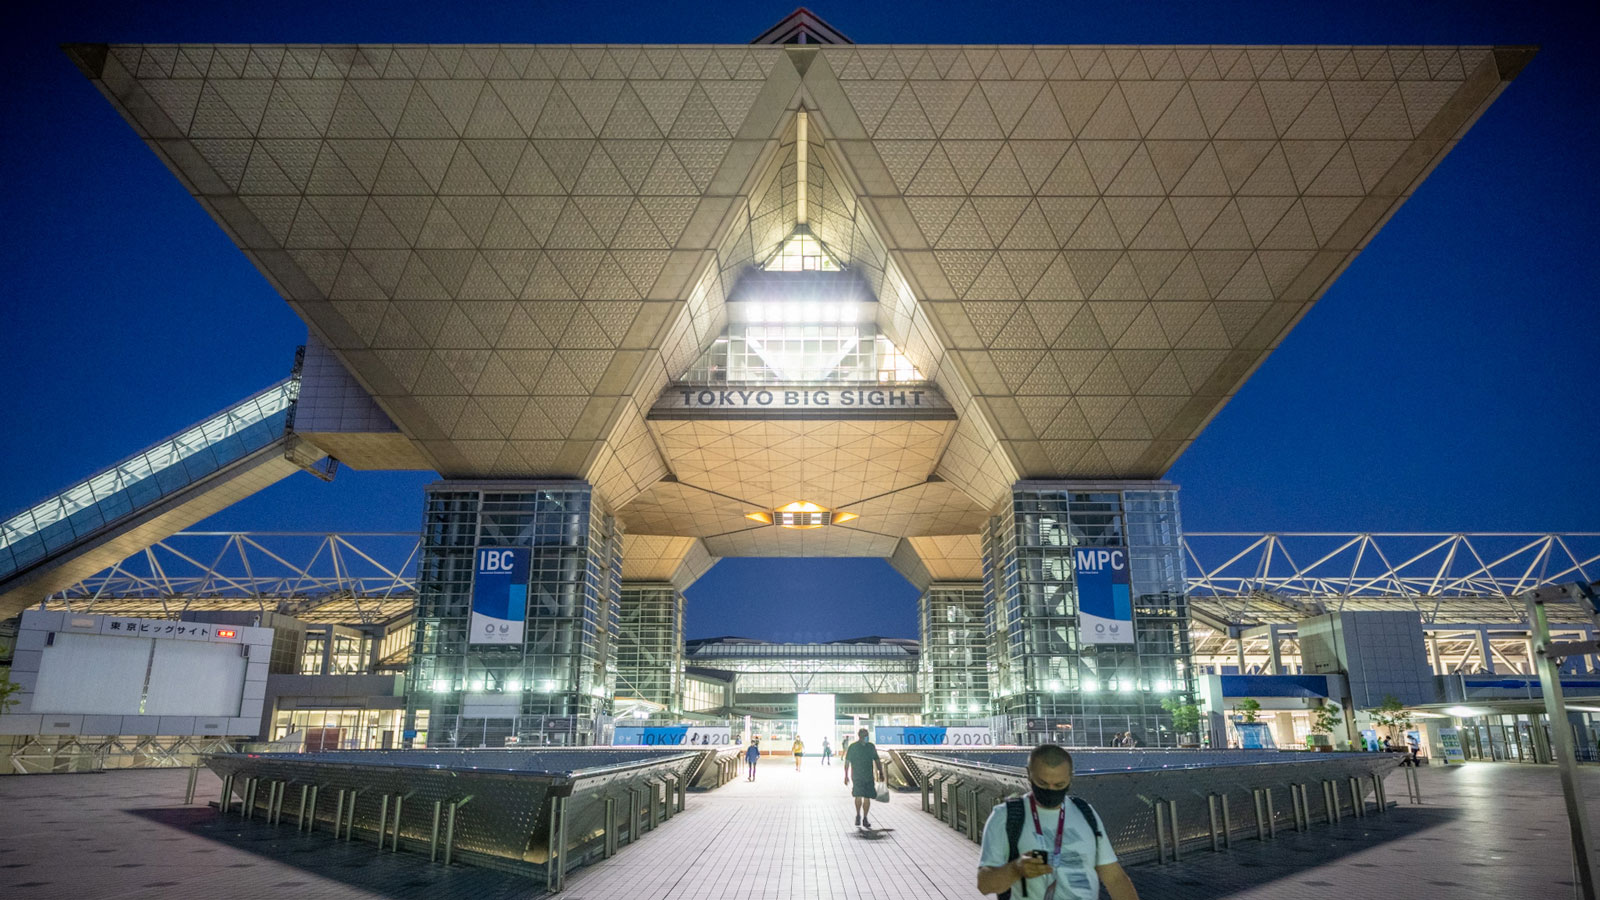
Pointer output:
x,y
150,495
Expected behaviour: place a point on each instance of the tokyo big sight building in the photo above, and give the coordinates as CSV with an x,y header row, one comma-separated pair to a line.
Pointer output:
x,y
644,307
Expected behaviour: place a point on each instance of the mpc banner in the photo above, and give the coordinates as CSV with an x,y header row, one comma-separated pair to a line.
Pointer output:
x,y
1105,595
499,595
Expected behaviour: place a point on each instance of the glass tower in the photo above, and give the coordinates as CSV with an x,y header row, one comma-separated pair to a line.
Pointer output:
x,y
551,685
955,654
650,645
1048,676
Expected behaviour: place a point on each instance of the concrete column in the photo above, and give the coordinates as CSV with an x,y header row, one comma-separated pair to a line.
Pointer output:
x,y
1242,666
1437,661
1283,724
1274,654
1483,651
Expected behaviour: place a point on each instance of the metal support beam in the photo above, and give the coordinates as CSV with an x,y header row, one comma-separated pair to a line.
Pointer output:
x,y
1548,663
399,806
1172,822
1161,832
556,865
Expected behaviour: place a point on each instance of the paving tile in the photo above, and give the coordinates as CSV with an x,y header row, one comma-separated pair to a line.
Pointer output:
x,y
1484,830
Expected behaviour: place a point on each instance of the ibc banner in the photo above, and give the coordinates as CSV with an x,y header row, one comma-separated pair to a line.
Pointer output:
x,y
499,595
1105,595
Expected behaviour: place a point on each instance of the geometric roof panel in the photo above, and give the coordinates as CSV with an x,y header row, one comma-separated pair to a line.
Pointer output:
x,y
514,248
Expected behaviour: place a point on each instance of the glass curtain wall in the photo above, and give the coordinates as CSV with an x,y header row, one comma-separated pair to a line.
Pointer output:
x,y
338,729
650,645
1052,683
552,686
955,654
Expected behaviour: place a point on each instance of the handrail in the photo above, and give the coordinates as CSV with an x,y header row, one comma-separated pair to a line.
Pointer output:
x,y
136,481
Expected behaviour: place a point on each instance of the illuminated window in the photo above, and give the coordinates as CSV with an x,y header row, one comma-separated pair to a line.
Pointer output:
x,y
805,351
802,252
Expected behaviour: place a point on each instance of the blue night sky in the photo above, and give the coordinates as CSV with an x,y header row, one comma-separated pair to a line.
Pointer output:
x,y
1445,382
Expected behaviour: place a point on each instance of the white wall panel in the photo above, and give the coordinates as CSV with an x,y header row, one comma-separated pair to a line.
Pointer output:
x,y
196,678
92,673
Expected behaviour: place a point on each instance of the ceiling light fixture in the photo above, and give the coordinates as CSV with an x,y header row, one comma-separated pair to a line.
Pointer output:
x,y
801,514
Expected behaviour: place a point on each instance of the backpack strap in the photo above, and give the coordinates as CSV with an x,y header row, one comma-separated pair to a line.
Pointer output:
x,y
1093,820
1014,819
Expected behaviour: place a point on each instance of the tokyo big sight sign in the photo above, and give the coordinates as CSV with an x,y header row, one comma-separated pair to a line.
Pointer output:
x,y
912,400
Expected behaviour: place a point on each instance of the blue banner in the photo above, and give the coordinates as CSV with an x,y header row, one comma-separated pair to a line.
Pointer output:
x,y
670,736
1105,595
1255,736
908,735
931,735
499,595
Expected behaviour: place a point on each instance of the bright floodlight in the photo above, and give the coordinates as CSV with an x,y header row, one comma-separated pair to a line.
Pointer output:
x,y
1090,685
816,719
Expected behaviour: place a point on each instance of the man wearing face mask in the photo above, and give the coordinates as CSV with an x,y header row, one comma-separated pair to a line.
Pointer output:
x,y
1046,845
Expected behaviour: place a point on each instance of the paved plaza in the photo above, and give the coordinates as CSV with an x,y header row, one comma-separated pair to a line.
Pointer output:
x,y
1485,830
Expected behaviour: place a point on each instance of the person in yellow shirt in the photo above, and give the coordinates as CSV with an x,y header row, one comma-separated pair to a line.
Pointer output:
x,y
798,748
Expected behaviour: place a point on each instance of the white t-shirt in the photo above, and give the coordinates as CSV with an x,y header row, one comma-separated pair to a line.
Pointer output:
x,y
1074,876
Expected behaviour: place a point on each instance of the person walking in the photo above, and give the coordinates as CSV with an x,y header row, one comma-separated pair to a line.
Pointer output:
x,y
751,754
1055,853
862,761
798,749
827,753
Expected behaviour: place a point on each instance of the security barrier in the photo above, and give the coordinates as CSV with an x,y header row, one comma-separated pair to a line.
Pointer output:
x,y
528,811
1159,804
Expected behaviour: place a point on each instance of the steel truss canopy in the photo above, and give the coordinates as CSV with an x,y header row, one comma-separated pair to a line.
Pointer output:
x,y
1243,580
513,250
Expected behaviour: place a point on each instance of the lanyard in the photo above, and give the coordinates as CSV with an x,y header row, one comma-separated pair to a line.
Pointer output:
x,y
1061,823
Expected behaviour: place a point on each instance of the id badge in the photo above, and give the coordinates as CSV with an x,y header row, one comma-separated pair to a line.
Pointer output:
x,y
1071,881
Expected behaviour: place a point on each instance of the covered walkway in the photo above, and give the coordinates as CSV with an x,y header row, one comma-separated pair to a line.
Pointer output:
x,y
788,835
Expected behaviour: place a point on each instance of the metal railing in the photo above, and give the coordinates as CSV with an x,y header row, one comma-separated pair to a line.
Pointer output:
x,y
1159,804
531,812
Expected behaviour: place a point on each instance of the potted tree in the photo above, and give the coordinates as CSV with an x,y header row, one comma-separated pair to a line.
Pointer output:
x,y
1324,720
1185,721
7,688
1247,710
1393,717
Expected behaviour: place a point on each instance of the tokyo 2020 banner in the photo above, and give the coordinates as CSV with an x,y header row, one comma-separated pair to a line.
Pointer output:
x,y
499,595
1105,595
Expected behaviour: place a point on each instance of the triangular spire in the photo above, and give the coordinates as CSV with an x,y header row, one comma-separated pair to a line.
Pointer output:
x,y
802,27
802,252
